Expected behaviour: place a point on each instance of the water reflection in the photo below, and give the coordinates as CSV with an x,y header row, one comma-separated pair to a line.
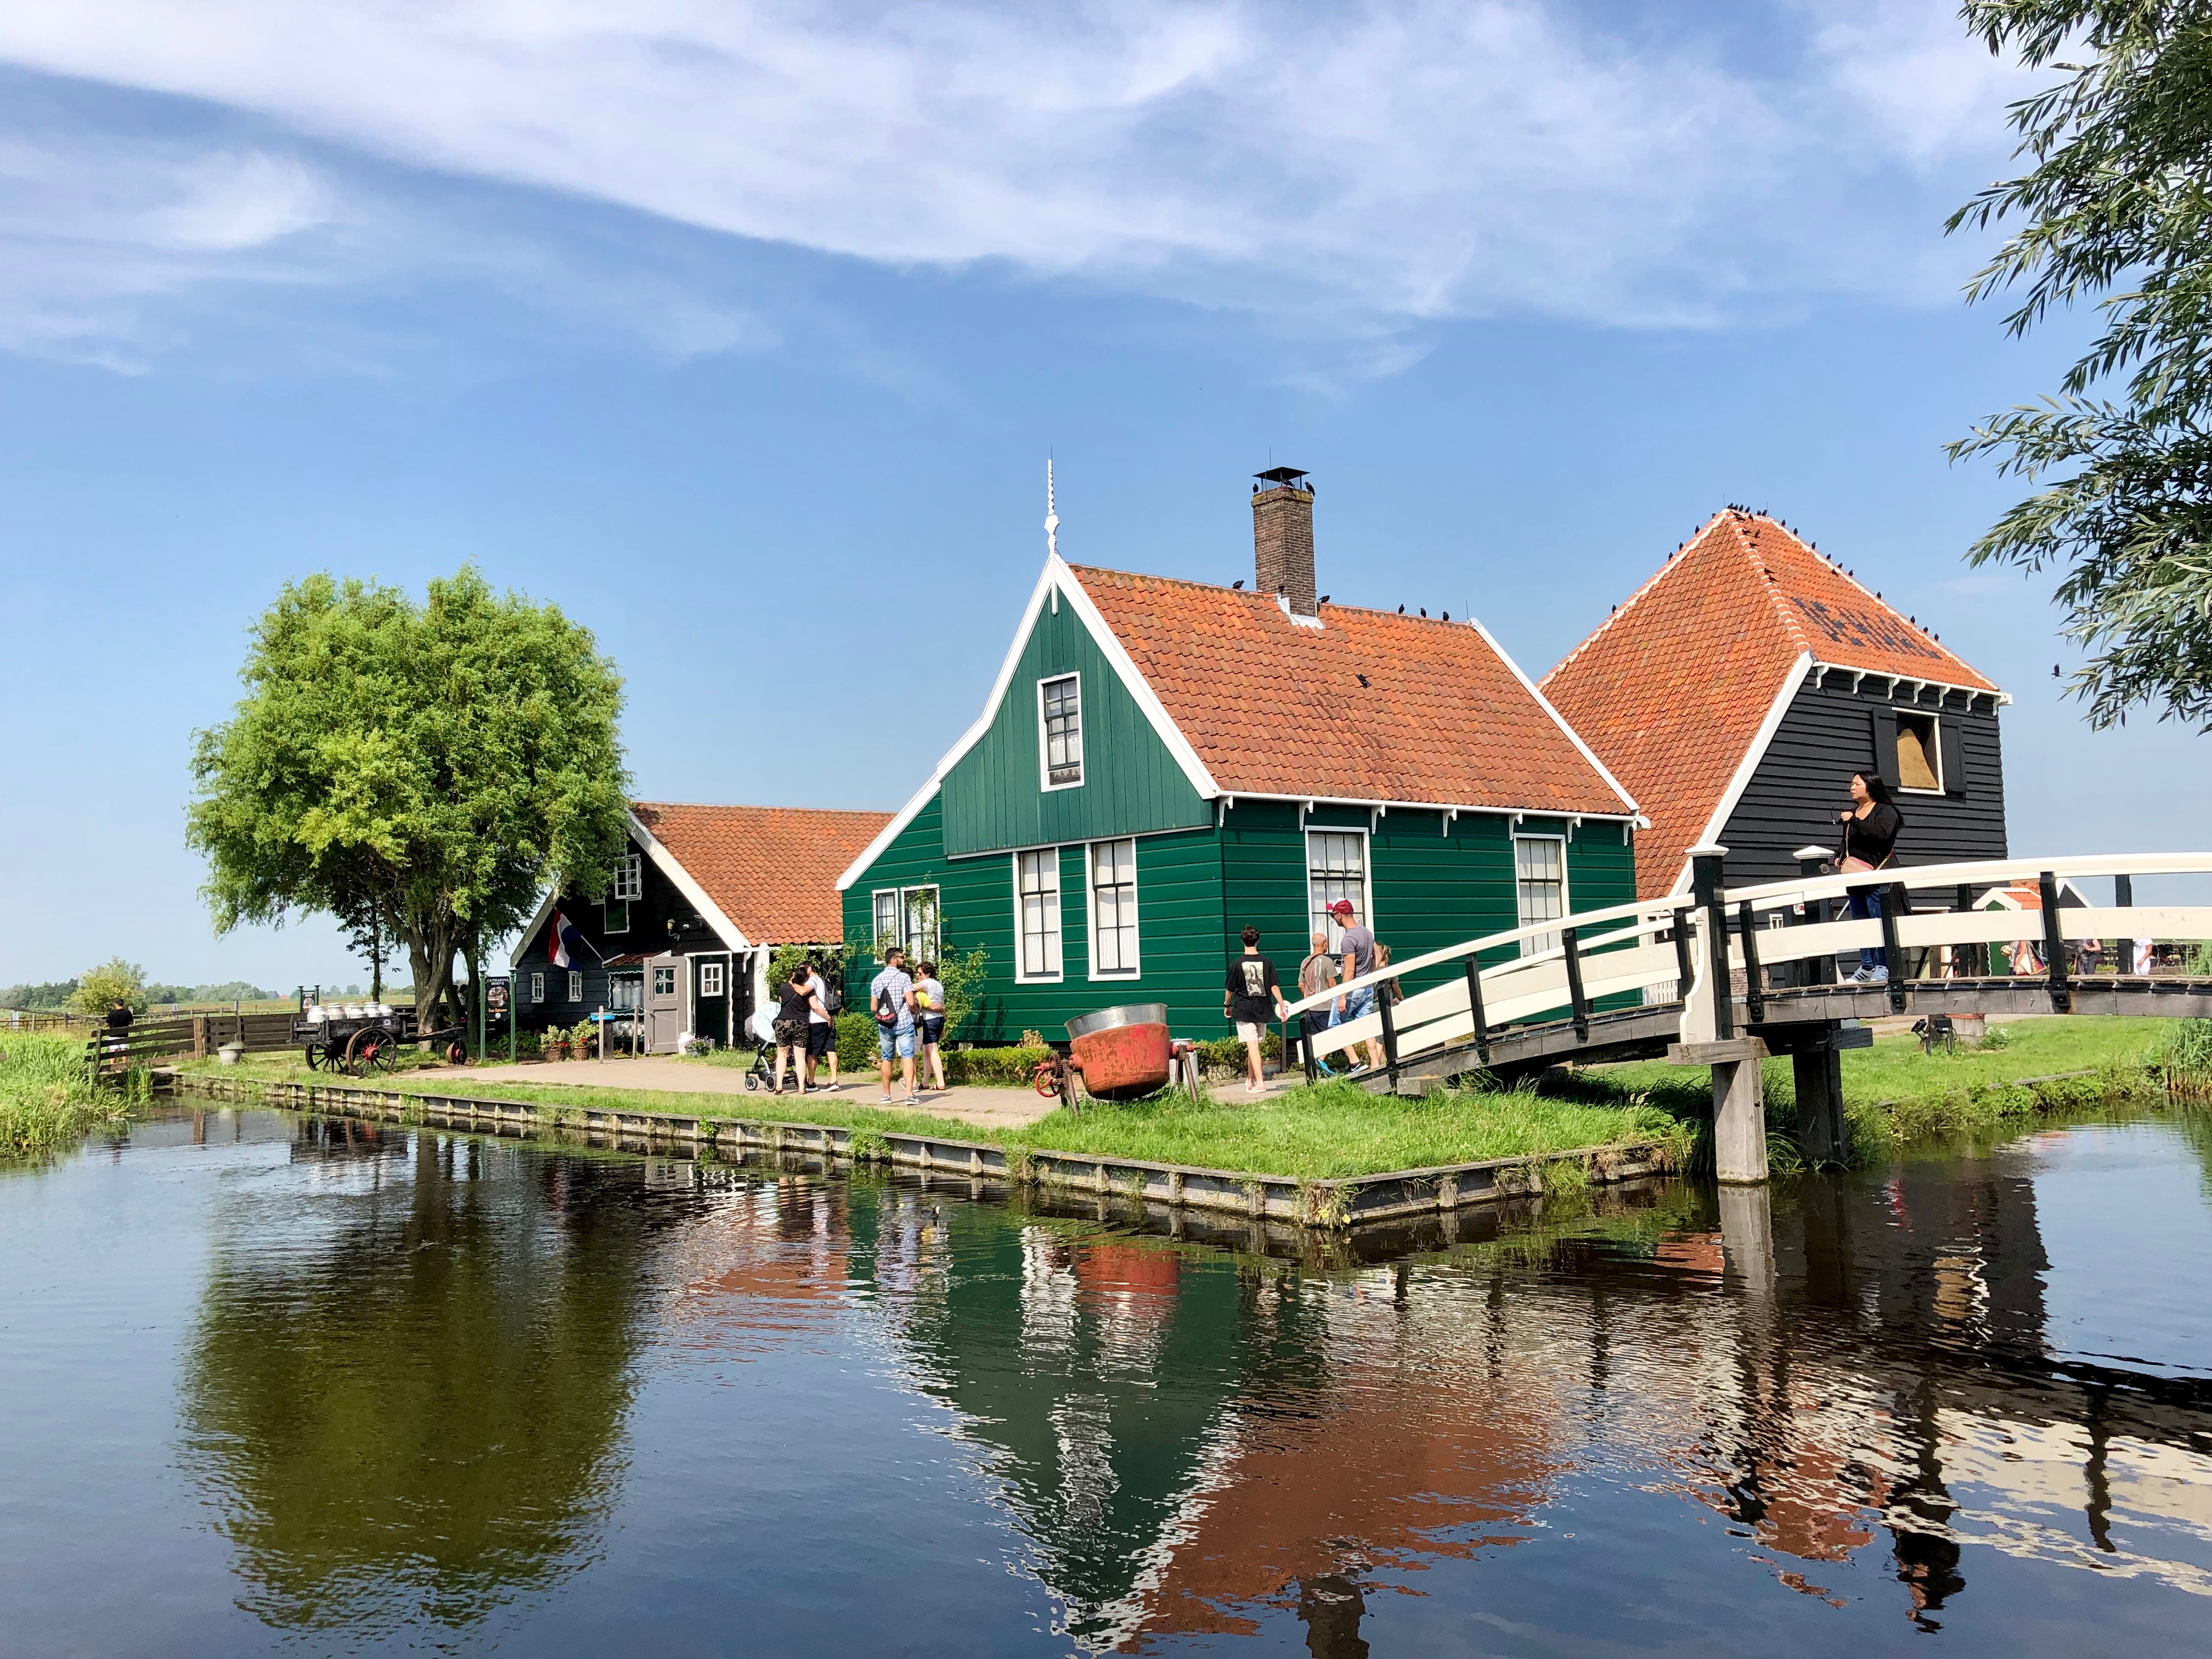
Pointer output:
x,y
406,1390
419,1367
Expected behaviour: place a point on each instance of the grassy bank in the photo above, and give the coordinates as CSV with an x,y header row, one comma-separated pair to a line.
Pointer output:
x,y
46,1098
1335,1129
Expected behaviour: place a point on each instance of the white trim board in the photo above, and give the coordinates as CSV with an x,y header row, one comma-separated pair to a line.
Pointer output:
x,y
734,938
1557,720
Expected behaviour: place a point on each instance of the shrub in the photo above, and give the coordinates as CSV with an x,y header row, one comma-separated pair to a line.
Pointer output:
x,y
1014,1066
855,1040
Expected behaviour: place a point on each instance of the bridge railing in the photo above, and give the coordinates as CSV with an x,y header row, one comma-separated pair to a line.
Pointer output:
x,y
1637,949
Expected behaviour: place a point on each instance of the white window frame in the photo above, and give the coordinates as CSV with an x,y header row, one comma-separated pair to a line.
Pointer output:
x,y
1531,947
919,945
712,979
1366,916
1044,762
1934,750
669,990
629,878
575,985
1058,933
537,987
1135,970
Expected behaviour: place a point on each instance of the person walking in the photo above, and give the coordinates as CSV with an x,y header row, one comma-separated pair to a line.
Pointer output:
x,y
821,1026
1355,945
798,1001
1871,825
1315,974
1253,998
891,1000
929,1011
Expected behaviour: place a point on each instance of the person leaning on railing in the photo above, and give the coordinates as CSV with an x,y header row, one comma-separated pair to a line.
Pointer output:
x,y
1871,825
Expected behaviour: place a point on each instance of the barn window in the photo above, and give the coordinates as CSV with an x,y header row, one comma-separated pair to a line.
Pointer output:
x,y
907,917
615,919
1336,868
710,978
1112,908
575,987
630,877
1061,716
1036,913
538,988
1540,882
1919,753
664,981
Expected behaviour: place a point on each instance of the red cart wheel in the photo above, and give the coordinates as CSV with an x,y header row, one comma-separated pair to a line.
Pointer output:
x,y
456,1052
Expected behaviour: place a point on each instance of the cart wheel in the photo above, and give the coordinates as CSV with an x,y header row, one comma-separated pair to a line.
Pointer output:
x,y
369,1049
317,1057
456,1053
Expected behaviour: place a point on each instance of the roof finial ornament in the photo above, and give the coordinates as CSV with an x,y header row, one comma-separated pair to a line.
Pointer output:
x,y
1051,513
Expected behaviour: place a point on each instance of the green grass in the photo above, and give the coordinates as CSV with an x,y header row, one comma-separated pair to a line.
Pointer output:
x,y
46,1098
1333,1129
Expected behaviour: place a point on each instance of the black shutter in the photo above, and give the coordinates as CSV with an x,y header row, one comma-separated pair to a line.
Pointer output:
x,y
1951,741
1885,746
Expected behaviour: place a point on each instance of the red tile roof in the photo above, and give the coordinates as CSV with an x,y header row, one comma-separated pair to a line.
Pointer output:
x,y
1273,707
1672,688
771,870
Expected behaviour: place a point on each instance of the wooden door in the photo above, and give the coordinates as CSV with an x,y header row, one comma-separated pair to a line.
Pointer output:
x,y
664,1003
710,999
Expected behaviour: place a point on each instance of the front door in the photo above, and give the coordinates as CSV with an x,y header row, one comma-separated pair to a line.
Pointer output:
x,y
710,1000
664,1003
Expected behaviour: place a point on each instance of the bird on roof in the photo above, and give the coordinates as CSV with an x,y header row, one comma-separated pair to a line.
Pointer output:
x,y
1402,610
1424,610
1447,616
1324,598
1239,582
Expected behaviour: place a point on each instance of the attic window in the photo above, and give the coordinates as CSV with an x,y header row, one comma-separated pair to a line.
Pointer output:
x,y
629,878
1919,762
1060,726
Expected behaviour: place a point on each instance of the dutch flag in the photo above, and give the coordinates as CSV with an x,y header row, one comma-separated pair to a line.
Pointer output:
x,y
564,942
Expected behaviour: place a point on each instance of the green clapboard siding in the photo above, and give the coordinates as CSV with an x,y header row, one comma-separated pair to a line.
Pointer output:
x,y
994,798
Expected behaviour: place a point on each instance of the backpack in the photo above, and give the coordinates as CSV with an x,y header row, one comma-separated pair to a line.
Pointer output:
x,y
833,997
887,1011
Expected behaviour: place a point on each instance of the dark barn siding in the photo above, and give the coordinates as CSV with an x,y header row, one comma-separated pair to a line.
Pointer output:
x,y
1803,780
649,933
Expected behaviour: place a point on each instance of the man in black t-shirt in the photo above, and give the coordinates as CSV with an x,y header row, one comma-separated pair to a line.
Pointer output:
x,y
1252,997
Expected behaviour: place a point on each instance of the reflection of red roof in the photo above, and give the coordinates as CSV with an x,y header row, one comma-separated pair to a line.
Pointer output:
x,y
1273,707
771,870
1672,688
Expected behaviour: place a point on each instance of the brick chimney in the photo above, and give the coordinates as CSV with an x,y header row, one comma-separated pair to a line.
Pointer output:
x,y
1282,537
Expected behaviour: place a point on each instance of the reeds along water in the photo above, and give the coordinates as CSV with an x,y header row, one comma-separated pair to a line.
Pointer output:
x,y
47,1095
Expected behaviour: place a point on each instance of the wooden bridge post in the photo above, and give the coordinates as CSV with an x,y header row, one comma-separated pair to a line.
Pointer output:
x,y
2054,946
1705,890
1817,1069
1578,1007
1474,1008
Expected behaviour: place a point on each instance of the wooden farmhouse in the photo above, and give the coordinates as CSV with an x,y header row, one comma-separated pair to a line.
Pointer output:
x,y
1162,762
1736,691
683,934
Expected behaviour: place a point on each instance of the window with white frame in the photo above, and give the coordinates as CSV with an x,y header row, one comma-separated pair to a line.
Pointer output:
x,y
1114,908
664,981
1036,913
538,988
710,978
629,878
908,918
1540,882
1061,714
1336,868
575,987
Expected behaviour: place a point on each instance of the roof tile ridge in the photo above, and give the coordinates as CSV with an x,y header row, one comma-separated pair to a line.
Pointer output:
x,y
748,806
1667,568
1768,586
1836,569
1147,576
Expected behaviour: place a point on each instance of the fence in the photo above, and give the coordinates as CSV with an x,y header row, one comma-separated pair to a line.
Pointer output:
x,y
181,1036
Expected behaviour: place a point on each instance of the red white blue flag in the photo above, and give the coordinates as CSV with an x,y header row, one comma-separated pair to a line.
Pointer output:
x,y
563,942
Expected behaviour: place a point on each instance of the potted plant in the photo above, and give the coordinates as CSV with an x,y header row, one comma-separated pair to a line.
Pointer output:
x,y
556,1043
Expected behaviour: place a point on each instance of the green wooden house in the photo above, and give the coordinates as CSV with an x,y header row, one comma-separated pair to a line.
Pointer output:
x,y
1163,762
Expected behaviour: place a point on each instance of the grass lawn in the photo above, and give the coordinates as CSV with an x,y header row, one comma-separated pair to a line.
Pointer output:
x,y
1335,1129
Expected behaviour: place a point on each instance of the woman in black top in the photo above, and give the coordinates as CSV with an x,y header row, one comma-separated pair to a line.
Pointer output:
x,y
1871,826
791,1022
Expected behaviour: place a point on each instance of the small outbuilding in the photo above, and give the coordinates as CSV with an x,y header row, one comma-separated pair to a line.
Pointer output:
x,y
682,937
1736,691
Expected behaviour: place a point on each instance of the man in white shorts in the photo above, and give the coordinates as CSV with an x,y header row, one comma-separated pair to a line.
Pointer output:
x,y
1253,997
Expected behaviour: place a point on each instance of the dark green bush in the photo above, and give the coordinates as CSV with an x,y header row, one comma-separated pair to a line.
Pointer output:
x,y
1013,1066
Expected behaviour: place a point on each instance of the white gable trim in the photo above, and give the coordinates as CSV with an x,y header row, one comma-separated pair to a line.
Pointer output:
x,y
1573,736
732,936
544,909
1054,582
1792,682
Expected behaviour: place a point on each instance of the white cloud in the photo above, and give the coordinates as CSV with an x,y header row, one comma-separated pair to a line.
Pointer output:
x,y
1370,169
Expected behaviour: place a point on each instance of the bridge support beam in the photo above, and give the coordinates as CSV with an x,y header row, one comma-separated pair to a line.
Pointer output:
x,y
1738,1105
1817,1069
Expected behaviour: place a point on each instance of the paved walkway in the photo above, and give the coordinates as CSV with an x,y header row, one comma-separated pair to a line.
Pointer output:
x,y
987,1107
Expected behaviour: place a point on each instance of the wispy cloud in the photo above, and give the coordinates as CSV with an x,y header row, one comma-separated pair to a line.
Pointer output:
x,y
1365,170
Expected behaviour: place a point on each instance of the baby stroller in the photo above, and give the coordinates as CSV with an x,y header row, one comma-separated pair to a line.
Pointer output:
x,y
760,1072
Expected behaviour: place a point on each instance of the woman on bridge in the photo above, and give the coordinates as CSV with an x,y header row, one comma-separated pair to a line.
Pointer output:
x,y
1871,826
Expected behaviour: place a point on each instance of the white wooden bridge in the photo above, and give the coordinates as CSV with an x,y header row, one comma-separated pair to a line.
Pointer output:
x,y
1723,977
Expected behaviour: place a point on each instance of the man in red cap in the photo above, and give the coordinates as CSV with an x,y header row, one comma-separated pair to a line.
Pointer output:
x,y
1356,944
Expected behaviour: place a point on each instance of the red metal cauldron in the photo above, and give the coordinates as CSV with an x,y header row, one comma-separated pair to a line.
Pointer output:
x,y
1121,1054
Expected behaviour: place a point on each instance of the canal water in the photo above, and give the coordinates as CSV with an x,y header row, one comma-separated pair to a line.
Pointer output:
x,y
275,1384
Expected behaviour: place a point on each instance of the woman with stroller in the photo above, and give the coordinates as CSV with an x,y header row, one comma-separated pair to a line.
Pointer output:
x,y
798,1001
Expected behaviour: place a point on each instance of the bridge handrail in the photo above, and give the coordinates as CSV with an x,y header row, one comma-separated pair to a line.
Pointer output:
x,y
1993,873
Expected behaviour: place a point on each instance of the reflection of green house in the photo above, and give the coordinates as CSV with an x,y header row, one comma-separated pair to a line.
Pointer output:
x,y
1162,762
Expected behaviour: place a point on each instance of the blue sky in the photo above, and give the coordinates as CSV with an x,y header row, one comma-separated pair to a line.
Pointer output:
x,y
744,335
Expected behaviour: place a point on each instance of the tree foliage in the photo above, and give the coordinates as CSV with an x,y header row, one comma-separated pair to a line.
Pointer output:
x,y
2114,206
421,770
99,989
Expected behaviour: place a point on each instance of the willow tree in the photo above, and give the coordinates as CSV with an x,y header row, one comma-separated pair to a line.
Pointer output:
x,y
2115,207
432,766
